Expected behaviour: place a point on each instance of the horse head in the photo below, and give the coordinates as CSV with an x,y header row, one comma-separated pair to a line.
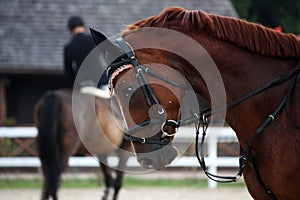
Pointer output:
x,y
150,94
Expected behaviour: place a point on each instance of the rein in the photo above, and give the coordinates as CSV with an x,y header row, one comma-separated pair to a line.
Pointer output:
x,y
202,119
247,154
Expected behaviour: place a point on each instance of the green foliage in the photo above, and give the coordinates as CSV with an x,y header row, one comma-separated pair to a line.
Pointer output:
x,y
271,13
6,146
10,121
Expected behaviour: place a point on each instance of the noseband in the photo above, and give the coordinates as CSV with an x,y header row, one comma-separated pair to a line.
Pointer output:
x,y
129,60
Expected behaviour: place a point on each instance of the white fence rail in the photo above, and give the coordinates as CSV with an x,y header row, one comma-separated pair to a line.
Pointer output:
x,y
214,135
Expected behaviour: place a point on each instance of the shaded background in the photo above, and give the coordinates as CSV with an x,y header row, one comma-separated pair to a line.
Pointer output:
x,y
271,13
33,33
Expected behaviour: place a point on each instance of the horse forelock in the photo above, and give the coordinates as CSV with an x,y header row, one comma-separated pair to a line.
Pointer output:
x,y
251,36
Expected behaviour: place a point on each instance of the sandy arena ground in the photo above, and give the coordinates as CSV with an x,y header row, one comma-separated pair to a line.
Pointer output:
x,y
129,193
134,194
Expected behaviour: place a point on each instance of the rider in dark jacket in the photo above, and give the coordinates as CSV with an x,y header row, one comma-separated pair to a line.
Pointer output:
x,y
77,48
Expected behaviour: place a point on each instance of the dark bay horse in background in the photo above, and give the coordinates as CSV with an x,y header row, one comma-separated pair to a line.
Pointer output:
x,y
58,138
260,74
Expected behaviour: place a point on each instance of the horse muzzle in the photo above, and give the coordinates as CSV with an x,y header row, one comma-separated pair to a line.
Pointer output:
x,y
159,159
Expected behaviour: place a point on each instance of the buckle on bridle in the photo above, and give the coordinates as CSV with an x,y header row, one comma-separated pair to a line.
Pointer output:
x,y
204,119
172,123
143,140
161,111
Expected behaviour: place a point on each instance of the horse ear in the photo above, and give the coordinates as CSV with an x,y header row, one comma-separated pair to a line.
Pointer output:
x,y
97,36
109,51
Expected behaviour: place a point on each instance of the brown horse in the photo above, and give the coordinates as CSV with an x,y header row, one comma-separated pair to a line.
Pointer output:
x,y
61,136
256,66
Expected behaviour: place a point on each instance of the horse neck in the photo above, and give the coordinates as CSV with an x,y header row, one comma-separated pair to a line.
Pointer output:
x,y
242,72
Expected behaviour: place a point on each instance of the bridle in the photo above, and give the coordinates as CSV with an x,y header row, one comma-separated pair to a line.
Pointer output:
x,y
156,109
202,119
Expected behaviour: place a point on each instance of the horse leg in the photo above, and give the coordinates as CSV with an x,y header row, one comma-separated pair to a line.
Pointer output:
x,y
118,183
120,172
45,193
109,182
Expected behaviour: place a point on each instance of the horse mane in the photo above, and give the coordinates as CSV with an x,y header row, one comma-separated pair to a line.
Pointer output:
x,y
251,36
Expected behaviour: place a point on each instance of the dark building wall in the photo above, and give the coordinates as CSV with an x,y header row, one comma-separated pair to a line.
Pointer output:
x,y
22,93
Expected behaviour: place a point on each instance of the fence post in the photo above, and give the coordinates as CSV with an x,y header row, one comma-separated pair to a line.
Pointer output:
x,y
212,157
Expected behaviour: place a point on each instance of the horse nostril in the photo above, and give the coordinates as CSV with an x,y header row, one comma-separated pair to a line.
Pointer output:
x,y
147,163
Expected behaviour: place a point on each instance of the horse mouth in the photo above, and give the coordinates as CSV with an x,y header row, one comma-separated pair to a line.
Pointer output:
x,y
159,159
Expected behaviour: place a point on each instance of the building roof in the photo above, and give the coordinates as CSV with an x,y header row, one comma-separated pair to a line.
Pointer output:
x,y
33,33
